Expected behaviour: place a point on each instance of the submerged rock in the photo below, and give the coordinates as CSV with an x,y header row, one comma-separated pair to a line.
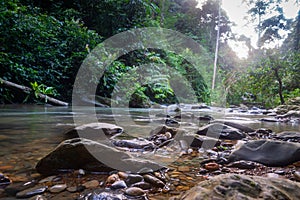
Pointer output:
x,y
94,131
221,131
233,186
268,152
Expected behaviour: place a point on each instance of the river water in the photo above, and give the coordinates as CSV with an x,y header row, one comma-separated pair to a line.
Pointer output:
x,y
29,132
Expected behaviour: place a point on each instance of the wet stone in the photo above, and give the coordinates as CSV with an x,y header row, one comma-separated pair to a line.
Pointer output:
x,y
133,178
38,197
297,175
58,188
91,184
72,189
154,181
242,164
183,169
142,185
47,179
31,192
14,188
134,191
118,185
4,181
111,179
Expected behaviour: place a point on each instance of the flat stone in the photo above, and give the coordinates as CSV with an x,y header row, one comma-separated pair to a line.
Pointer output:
x,y
183,168
288,135
134,191
14,188
58,188
154,181
118,185
91,184
80,153
233,186
133,178
47,179
31,192
221,131
268,152
94,131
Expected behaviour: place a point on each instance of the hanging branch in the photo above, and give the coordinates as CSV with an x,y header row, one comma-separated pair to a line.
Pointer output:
x,y
217,48
28,90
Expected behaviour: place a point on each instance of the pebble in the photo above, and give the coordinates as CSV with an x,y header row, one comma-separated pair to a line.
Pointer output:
x,y
31,192
133,178
72,189
38,197
297,175
111,179
122,175
4,180
142,185
58,188
118,185
242,164
272,175
47,179
153,181
280,172
183,169
14,188
182,188
134,191
91,184
212,166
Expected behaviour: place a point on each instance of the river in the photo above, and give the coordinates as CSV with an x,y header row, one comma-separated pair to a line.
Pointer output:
x,y
29,132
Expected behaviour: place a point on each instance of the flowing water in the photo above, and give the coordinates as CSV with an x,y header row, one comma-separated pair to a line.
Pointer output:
x,y
27,133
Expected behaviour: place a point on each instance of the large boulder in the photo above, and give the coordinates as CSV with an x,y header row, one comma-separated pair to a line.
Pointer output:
x,y
80,153
240,127
268,152
233,186
221,131
288,135
95,131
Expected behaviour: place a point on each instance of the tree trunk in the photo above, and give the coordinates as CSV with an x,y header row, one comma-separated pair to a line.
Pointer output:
x,y
279,85
28,90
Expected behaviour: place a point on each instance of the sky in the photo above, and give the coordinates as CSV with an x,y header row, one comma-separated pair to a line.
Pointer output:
x,y
236,12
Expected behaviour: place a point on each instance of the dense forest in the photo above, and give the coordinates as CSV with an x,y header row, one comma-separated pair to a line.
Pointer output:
x,y
43,44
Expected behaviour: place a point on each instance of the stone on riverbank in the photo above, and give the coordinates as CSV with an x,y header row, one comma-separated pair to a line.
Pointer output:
x,y
94,131
80,153
268,152
221,131
233,186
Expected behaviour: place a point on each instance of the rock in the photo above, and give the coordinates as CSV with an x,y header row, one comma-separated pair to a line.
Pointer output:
x,y
122,175
221,131
31,192
212,166
133,178
111,179
162,129
283,109
197,141
233,186
80,153
38,197
267,152
142,185
4,181
134,191
297,175
183,168
94,131
47,179
290,114
14,188
58,188
206,118
91,184
269,119
103,195
288,135
153,181
135,144
235,125
118,185
242,164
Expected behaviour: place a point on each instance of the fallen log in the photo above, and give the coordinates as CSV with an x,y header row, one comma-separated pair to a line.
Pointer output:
x,y
27,90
